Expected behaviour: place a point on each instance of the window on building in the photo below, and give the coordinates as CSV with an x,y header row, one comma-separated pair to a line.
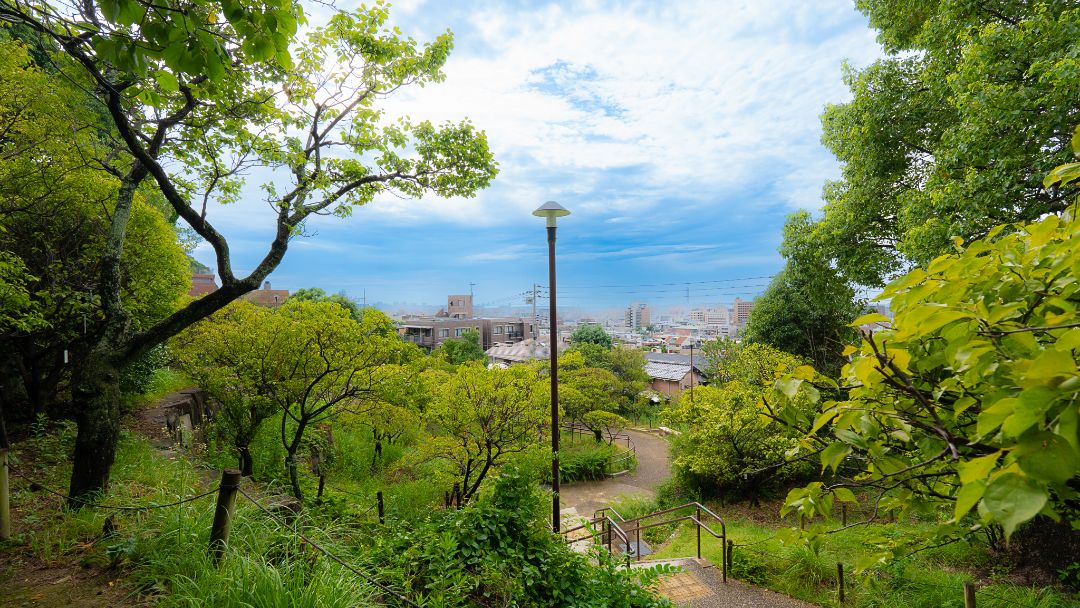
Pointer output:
x,y
444,333
460,331
498,329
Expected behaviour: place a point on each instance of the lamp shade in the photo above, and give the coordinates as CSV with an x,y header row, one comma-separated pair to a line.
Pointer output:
x,y
551,210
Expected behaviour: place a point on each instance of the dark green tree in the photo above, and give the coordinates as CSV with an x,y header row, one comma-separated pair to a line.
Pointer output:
x,y
950,134
462,350
591,334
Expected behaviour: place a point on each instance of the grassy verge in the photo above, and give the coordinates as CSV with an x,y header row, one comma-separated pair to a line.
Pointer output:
x,y
931,579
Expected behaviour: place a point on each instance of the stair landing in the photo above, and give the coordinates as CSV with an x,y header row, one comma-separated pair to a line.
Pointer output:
x,y
699,585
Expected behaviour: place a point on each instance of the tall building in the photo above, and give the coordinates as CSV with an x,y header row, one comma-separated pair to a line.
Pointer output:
x,y
637,316
459,307
740,312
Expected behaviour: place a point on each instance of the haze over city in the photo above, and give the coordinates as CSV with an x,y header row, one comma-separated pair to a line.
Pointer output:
x,y
680,135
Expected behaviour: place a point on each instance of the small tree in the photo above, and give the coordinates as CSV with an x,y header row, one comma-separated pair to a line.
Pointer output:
x,y
605,423
233,355
316,294
462,350
591,334
483,416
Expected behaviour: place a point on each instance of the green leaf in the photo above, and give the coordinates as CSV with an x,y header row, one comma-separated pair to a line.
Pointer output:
x,y
1013,499
833,455
167,81
977,468
844,495
992,417
874,317
1048,457
968,496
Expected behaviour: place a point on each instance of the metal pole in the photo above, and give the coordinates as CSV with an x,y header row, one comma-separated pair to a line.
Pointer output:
x,y
692,371
380,507
728,557
536,323
840,580
698,522
553,320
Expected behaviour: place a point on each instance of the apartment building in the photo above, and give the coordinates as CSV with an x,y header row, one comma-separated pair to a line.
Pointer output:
x,y
637,316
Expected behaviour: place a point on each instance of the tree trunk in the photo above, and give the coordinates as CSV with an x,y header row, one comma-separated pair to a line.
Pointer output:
x,y
294,475
97,403
247,467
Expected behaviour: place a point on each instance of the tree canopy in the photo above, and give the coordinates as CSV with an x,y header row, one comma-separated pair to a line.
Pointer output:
x,y
923,151
591,334
196,96
462,350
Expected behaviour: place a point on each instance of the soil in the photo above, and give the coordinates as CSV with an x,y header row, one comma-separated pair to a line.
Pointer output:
x,y
79,577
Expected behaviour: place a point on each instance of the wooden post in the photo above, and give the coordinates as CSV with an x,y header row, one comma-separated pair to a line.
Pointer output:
x,y
969,595
226,501
727,557
840,580
5,502
382,508
843,515
637,539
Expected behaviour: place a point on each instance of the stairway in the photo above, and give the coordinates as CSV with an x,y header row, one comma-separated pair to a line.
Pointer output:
x,y
699,585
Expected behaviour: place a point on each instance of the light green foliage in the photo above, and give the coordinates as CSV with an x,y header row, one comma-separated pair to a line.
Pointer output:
x,y
924,151
603,423
315,294
461,350
482,416
591,334
970,399
234,356
587,389
728,445
19,313
755,365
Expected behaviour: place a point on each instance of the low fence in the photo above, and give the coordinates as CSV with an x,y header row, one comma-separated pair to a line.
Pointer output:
x,y
621,462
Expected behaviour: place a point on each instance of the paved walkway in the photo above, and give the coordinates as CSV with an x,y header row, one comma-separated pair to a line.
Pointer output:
x,y
699,585
653,468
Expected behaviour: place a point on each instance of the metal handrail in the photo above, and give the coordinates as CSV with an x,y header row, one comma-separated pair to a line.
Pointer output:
x,y
576,427
602,515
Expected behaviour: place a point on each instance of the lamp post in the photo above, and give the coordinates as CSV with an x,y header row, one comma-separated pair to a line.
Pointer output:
x,y
552,210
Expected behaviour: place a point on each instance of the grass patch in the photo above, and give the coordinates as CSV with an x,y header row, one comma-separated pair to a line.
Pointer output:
x,y
932,579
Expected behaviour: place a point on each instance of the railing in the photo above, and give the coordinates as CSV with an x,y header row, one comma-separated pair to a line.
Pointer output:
x,y
633,526
625,456
607,527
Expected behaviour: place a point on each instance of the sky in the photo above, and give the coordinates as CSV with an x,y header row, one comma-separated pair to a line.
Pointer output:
x,y
679,134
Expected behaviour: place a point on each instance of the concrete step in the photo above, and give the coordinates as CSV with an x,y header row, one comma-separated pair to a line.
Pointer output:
x,y
699,584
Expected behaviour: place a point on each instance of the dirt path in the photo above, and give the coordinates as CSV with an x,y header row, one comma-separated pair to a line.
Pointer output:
x,y
653,468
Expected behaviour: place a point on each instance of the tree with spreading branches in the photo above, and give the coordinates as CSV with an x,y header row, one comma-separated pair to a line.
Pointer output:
x,y
199,93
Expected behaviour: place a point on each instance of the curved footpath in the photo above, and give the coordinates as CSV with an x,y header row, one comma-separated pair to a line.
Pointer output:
x,y
698,584
653,468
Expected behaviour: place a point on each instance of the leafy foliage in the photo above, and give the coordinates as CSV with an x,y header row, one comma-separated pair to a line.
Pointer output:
x,y
315,294
924,156
462,350
970,398
483,416
498,551
591,334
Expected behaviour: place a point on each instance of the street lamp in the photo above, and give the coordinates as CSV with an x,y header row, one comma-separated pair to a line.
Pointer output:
x,y
552,210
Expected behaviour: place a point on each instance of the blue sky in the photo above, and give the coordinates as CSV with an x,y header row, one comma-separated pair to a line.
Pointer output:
x,y
679,134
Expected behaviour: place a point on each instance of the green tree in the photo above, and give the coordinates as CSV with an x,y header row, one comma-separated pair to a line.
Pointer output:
x,y
54,220
728,446
462,350
970,399
950,134
806,310
225,92
591,334
326,364
235,357
316,294
603,423
482,416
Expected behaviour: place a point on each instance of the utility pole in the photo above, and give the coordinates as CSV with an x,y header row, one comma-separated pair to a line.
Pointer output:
x,y
471,285
536,321
364,296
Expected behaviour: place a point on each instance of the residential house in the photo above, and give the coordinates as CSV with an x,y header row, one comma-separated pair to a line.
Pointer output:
x,y
670,373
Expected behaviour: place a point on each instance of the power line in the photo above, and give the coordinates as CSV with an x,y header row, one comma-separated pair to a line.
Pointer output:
x,y
679,284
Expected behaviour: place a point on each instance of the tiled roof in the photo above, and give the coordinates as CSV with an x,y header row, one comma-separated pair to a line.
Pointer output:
x,y
525,350
666,371
699,361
